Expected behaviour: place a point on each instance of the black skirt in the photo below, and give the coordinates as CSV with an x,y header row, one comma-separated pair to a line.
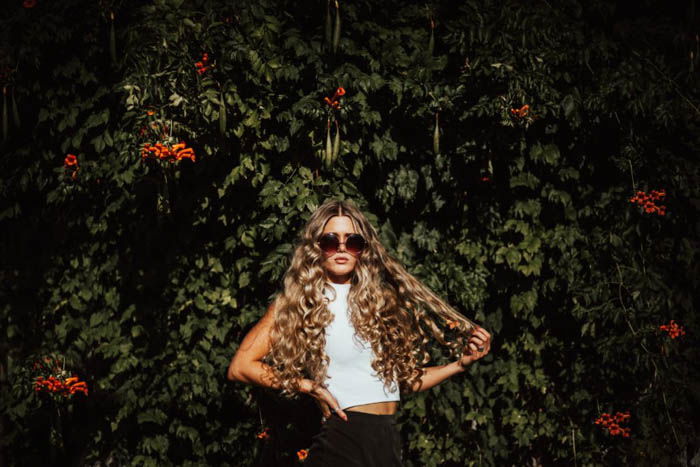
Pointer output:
x,y
365,440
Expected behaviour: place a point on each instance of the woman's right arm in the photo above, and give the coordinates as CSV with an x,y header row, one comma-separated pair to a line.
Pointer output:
x,y
247,366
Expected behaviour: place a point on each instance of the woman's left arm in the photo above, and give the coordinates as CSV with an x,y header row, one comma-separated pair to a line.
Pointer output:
x,y
479,345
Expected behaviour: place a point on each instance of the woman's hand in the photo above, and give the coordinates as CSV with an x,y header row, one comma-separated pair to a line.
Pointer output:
x,y
479,344
323,397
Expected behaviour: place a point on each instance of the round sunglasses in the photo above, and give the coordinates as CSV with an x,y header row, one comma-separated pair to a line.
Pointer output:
x,y
329,243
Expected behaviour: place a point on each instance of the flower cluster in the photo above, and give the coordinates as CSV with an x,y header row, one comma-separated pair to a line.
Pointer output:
x,y
647,201
302,454
64,387
521,112
673,329
263,434
52,378
173,153
333,103
202,66
70,163
612,423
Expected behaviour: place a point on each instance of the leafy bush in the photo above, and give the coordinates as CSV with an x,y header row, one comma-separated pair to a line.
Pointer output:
x,y
496,146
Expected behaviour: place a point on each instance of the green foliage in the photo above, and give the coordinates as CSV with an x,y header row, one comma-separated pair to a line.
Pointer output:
x,y
147,274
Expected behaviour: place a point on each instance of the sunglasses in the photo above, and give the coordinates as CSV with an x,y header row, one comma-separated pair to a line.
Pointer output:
x,y
354,243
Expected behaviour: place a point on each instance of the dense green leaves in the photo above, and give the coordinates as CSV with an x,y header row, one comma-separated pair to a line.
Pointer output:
x,y
494,146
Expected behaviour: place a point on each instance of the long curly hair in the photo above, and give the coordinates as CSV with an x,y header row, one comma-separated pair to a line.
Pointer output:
x,y
389,308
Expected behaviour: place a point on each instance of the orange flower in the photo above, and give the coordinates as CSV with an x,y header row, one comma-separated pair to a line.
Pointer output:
x,y
264,434
150,112
612,423
673,329
647,201
201,65
29,3
452,324
302,454
521,112
175,153
70,160
332,102
63,388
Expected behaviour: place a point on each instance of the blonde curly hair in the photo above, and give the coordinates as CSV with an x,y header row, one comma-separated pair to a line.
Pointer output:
x,y
389,308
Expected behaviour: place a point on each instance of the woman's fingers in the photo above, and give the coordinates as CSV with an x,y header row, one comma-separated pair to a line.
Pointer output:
x,y
333,403
325,411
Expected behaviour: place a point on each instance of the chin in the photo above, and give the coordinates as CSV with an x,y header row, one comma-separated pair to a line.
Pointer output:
x,y
339,270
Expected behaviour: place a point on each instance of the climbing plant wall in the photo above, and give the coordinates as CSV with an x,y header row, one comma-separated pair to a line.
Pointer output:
x,y
535,164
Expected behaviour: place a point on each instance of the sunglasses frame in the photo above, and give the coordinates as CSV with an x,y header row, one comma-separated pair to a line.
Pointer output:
x,y
364,243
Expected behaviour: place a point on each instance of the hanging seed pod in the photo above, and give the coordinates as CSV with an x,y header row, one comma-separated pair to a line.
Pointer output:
x,y
336,33
336,142
112,39
329,145
4,115
329,25
431,42
436,136
222,115
15,112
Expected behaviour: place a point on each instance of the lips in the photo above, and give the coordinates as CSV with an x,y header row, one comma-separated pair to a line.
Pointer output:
x,y
341,260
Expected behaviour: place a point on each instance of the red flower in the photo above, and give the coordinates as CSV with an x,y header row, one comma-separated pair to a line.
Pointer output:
x,y
673,329
521,112
647,201
302,454
70,160
202,65
160,151
612,423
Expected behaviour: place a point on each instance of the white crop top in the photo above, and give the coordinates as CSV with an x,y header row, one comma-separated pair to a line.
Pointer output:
x,y
351,378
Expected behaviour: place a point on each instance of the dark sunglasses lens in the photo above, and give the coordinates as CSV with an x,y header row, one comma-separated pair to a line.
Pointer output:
x,y
329,243
355,244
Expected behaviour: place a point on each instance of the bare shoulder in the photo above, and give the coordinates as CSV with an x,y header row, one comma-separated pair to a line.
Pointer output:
x,y
257,340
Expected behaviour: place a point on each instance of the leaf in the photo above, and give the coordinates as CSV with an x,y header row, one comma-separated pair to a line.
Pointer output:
x,y
431,42
112,43
4,114
568,105
336,32
436,137
329,146
329,25
15,112
336,142
222,115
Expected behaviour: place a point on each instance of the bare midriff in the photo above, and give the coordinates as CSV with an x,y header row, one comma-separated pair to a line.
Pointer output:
x,y
376,408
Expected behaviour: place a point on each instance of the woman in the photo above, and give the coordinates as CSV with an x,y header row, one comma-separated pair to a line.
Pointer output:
x,y
350,329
